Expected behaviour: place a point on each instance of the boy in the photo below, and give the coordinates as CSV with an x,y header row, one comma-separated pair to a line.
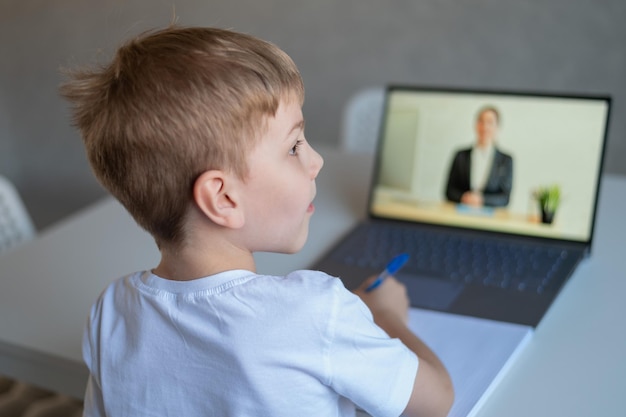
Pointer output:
x,y
199,133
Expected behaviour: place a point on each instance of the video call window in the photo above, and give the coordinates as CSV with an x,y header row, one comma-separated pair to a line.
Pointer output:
x,y
480,160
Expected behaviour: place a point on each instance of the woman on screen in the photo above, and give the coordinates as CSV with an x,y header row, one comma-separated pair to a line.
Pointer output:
x,y
482,175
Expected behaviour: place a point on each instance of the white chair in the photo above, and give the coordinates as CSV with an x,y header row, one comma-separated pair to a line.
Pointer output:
x,y
16,226
361,120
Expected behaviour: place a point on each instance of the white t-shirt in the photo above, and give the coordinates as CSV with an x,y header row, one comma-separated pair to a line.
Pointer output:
x,y
481,163
241,344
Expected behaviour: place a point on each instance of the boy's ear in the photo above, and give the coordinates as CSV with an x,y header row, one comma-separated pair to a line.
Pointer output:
x,y
215,194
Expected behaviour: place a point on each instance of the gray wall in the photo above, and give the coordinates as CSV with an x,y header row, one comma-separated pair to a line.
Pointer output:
x,y
571,46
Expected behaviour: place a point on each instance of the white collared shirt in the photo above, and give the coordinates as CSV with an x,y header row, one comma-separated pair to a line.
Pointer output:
x,y
481,162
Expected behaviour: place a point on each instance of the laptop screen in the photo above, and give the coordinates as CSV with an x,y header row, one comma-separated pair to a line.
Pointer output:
x,y
515,163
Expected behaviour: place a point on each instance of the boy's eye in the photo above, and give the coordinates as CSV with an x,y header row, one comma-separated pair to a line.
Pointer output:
x,y
294,150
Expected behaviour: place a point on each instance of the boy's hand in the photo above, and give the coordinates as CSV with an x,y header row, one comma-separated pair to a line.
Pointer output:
x,y
388,301
433,393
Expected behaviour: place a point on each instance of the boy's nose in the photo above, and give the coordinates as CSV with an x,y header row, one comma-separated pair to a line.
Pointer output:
x,y
316,163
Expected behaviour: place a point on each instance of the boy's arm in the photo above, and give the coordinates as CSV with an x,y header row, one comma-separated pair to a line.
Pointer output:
x,y
433,393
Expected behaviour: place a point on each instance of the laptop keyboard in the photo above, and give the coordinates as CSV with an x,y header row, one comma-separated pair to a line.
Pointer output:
x,y
499,263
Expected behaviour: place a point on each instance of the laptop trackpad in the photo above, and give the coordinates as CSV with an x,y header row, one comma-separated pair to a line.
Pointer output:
x,y
428,292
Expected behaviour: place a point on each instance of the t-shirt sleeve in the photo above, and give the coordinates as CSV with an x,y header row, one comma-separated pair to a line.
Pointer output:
x,y
365,365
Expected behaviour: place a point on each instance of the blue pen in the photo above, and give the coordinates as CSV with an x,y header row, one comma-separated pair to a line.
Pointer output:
x,y
392,267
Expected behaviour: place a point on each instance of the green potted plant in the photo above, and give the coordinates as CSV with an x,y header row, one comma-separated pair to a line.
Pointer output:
x,y
549,198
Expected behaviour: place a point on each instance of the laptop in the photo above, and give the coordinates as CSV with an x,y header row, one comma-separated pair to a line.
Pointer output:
x,y
506,254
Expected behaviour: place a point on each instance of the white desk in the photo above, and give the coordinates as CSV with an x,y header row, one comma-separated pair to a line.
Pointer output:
x,y
574,366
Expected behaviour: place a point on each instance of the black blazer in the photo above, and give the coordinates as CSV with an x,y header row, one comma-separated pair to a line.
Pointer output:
x,y
498,189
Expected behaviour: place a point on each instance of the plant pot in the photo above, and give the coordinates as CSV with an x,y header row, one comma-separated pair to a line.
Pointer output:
x,y
547,216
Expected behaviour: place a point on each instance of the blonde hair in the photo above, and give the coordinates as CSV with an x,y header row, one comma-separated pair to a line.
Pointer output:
x,y
172,104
